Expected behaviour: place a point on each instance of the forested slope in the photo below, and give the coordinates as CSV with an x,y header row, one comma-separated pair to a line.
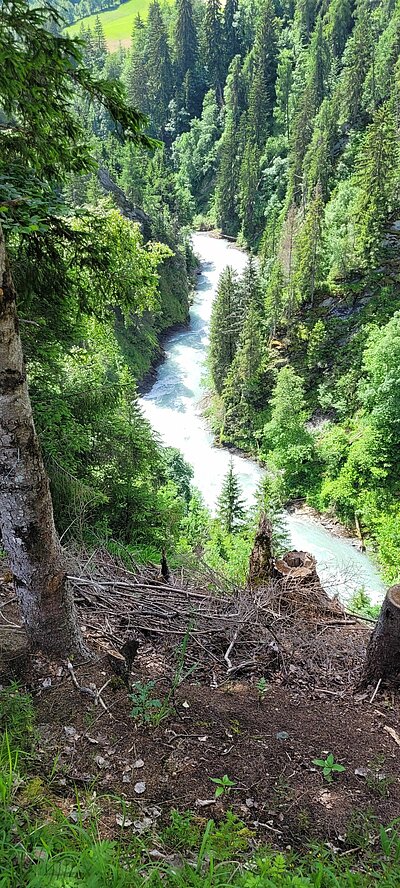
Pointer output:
x,y
278,125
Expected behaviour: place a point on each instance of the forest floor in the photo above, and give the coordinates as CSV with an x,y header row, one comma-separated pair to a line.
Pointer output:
x,y
212,702
266,747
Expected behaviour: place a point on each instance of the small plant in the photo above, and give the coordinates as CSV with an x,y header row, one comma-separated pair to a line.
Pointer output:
x,y
377,781
261,688
223,784
329,767
147,709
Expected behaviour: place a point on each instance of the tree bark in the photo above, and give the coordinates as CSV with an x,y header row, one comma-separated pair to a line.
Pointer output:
x,y
383,651
261,564
26,513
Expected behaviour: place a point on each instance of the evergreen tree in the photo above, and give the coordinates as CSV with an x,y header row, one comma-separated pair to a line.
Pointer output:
x,y
248,191
231,511
308,252
269,503
136,78
358,58
213,36
377,178
231,31
224,327
229,153
159,71
99,46
263,88
284,83
185,39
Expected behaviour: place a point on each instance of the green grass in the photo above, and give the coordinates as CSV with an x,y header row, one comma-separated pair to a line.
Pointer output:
x,y
117,23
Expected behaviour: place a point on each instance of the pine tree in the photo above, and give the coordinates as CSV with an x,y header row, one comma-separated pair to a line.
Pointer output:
x,y
377,177
224,327
99,44
229,152
231,511
308,252
213,35
160,72
284,83
231,31
263,88
185,39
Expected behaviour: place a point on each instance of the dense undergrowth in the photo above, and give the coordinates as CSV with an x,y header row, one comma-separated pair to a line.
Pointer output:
x,y
42,846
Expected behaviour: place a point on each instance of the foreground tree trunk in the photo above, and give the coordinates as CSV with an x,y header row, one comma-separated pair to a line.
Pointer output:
x,y
26,513
383,651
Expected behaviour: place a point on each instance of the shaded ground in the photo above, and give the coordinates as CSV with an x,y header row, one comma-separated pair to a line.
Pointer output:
x,y
266,748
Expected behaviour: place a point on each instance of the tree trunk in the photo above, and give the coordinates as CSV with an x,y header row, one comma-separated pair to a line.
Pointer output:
x,y
26,513
383,651
261,563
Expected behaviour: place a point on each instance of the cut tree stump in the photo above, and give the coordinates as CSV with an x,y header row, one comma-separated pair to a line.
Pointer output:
x,y
383,651
297,566
261,564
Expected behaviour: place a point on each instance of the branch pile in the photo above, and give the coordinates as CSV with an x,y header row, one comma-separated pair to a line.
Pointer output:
x,y
287,626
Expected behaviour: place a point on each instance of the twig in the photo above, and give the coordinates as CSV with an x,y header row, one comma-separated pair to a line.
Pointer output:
x,y
376,690
229,651
90,692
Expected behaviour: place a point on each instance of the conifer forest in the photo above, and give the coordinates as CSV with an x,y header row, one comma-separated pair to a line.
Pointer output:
x,y
199,443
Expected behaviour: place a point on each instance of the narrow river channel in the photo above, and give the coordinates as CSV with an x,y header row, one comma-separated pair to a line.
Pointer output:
x,y
172,407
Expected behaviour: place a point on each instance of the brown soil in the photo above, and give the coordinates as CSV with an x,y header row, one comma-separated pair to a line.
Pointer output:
x,y
266,747
311,662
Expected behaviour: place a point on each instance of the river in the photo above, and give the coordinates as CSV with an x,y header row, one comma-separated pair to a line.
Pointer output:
x,y
172,407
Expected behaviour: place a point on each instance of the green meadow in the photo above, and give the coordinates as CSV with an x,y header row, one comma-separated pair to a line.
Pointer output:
x,y
117,23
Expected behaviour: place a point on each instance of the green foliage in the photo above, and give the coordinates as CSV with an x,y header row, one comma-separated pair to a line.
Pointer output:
x,y
231,510
286,442
329,767
225,321
262,688
223,785
16,718
360,603
146,710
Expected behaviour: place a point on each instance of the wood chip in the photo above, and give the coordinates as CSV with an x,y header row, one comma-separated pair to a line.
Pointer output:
x,y
392,733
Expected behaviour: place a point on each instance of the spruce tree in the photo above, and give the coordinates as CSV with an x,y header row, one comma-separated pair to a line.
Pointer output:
x,y
230,153
231,511
99,44
358,58
213,36
263,88
185,39
224,327
377,177
284,82
308,252
231,31
160,72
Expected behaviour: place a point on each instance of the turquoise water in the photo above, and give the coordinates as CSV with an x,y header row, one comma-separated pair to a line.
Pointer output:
x,y
172,407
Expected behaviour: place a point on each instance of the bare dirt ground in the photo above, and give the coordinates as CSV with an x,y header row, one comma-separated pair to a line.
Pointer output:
x,y
219,722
